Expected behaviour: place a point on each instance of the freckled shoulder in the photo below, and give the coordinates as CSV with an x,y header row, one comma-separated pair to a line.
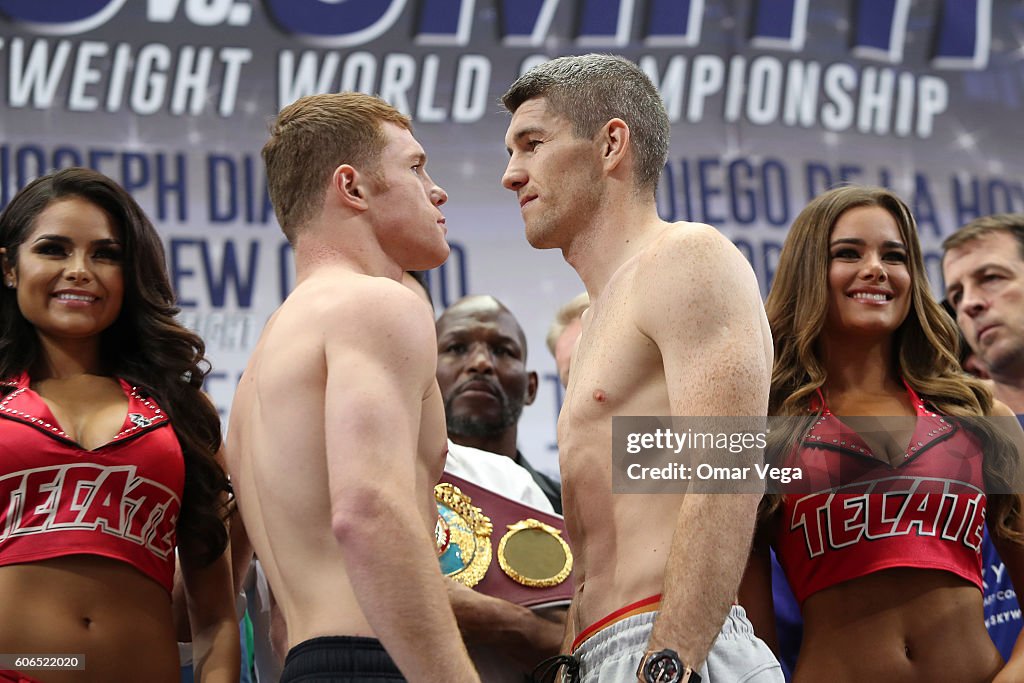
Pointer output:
x,y
694,257
694,243
702,307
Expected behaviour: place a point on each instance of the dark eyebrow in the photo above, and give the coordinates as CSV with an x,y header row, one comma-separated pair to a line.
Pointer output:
x,y
889,244
505,339
67,240
975,273
53,238
459,333
523,133
451,335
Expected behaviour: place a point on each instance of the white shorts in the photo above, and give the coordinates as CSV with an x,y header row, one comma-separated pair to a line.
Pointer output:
x,y
613,654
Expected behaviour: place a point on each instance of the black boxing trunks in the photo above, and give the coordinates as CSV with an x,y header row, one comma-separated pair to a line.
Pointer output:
x,y
339,659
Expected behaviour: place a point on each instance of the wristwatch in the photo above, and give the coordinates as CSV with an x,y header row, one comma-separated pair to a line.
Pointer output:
x,y
663,666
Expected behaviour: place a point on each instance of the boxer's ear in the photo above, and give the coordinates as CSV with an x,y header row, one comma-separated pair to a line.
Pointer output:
x,y
350,186
614,140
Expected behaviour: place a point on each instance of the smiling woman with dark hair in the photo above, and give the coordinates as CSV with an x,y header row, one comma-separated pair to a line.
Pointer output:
x,y
107,445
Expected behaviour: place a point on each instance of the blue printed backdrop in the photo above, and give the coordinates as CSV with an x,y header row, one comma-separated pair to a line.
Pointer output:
x,y
771,102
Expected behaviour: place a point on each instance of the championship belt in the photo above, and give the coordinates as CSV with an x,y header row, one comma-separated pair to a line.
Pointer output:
x,y
467,555
533,564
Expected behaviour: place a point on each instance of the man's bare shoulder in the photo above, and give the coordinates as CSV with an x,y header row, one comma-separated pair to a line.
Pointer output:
x,y
693,244
696,298
338,301
340,290
694,254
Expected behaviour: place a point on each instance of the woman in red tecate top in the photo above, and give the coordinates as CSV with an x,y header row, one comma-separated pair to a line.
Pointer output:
x,y
107,447
881,545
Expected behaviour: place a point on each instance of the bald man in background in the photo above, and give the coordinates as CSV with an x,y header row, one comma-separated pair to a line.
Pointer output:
x,y
481,369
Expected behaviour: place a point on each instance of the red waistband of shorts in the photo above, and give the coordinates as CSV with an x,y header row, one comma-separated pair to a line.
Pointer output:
x,y
650,604
10,676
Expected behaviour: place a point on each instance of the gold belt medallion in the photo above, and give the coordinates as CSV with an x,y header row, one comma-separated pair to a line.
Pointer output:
x,y
534,554
468,555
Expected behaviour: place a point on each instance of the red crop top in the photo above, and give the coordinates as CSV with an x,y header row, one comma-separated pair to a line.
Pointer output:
x,y
927,513
120,500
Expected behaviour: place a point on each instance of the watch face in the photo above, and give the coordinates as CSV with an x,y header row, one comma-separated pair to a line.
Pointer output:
x,y
663,668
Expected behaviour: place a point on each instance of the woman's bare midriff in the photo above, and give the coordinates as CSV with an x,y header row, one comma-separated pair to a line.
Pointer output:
x,y
94,606
899,626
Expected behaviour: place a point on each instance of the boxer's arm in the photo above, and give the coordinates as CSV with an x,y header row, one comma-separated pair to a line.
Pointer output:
x,y
698,301
518,632
380,356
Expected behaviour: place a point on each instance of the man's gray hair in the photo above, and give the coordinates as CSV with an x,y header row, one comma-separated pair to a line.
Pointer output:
x,y
590,90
